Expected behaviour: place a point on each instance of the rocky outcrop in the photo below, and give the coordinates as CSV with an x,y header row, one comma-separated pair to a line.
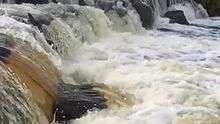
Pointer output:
x,y
177,16
212,6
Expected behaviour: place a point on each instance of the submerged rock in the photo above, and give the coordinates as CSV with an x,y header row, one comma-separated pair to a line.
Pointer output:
x,y
177,16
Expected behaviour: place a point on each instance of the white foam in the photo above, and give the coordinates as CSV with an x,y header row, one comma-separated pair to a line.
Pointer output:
x,y
166,72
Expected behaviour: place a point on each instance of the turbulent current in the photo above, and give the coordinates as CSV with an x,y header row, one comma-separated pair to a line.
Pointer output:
x,y
172,72
175,76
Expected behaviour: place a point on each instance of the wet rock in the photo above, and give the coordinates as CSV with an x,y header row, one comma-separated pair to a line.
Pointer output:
x,y
82,3
34,22
79,2
212,6
32,1
74,101
28,1
145,12
4,53
121,7
40,19
16,105
105,5
177,16
34,70
41,22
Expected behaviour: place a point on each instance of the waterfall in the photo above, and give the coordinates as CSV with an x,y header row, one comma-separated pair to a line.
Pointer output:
x,y
80,24
36,49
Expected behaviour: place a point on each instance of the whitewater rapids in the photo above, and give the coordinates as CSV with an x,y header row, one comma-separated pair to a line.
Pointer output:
x,y
175,77
174,74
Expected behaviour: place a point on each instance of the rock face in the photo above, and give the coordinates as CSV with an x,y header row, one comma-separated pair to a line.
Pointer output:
x,y
177,16
212,6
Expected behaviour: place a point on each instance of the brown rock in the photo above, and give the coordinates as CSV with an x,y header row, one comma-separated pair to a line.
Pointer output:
x,y
34,70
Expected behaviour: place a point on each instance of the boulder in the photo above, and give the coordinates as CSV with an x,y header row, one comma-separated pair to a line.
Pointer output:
x,y
177,16
145,11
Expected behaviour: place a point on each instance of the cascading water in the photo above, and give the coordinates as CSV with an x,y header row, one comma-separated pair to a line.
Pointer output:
x,y
173,74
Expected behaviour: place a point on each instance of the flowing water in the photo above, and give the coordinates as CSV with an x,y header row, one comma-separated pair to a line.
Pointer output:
x,y
174,76
173,73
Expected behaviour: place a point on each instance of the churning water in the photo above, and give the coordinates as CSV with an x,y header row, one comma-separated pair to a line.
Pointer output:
x,y
174,75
